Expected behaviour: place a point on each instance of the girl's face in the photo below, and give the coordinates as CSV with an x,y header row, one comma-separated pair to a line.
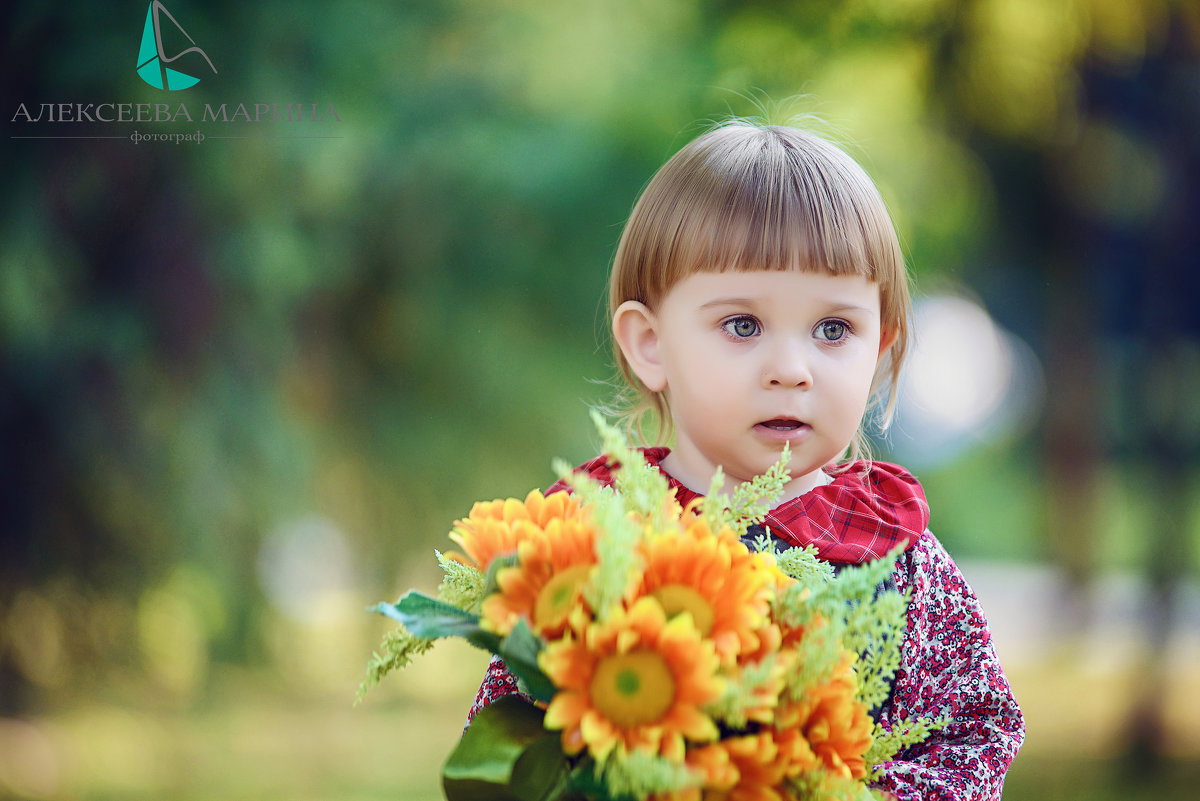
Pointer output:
x,y
750,361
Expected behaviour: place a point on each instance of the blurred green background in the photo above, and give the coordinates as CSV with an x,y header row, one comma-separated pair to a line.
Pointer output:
x,y
246,384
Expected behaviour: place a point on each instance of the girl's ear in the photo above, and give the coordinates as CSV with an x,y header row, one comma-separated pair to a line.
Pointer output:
x,y
635,327
887,338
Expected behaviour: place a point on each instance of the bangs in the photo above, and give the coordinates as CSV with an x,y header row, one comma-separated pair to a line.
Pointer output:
x,y
766,199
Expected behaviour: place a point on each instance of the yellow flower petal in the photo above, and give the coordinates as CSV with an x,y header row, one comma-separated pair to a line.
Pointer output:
x,y
637,682
713,576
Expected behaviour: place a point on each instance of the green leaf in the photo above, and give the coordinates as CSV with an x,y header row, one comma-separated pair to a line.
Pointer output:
x,y
520,650
506,755
431,619
490,581
428,617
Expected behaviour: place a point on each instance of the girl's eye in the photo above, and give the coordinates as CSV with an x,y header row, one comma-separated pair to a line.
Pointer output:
x,y
832,330
742,327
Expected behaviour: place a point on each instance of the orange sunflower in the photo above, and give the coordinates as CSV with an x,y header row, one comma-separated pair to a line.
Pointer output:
x,y
547,582
794,629
493,528
634,682
758,769
835,726
726,588
714,772
760,698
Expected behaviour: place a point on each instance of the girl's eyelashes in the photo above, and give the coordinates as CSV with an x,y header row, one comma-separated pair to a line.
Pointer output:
x,y
741,327
832,331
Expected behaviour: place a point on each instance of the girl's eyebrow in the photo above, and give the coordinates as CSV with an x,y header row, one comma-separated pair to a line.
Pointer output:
x,y
853,307
728,302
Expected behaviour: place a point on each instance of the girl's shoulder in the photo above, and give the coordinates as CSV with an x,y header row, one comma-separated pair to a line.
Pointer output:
x,y
931,574
873,473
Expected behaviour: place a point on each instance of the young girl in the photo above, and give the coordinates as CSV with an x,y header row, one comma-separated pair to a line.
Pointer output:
x,y
759,297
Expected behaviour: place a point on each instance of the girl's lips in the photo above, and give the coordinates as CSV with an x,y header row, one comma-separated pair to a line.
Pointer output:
x,y
782,429
782,423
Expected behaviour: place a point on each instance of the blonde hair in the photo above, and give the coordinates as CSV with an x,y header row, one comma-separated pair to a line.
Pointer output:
x,y
746,197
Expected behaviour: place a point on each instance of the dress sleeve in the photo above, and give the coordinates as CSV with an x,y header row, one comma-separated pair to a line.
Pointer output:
x,y
497,682
949,668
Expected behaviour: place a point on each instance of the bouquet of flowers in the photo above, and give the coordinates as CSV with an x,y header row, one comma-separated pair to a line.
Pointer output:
x,y
659,656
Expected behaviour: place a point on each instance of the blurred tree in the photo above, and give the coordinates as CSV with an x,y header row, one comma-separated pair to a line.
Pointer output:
x,y
1089,134
203,344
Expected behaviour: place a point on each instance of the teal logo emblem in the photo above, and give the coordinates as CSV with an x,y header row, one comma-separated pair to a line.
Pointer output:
x,y
153,59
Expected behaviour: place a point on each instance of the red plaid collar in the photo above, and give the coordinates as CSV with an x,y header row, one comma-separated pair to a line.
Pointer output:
x,y
861,515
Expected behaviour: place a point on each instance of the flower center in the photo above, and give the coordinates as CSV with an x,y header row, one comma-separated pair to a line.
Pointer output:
x,y
555,600
676,598
633,689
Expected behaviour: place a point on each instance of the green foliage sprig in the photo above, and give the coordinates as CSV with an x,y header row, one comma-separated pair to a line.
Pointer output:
x,y
802,564
886,744
742,694
462,587
396,651
754,498
639,774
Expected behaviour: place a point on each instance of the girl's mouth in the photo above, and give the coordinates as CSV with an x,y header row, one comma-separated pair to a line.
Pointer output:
x,y
783,429
782,424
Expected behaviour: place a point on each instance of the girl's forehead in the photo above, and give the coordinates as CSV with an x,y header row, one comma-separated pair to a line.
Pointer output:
x,y
778,278
709,288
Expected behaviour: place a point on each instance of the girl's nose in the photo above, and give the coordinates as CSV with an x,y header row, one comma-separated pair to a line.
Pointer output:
x,y
787,367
